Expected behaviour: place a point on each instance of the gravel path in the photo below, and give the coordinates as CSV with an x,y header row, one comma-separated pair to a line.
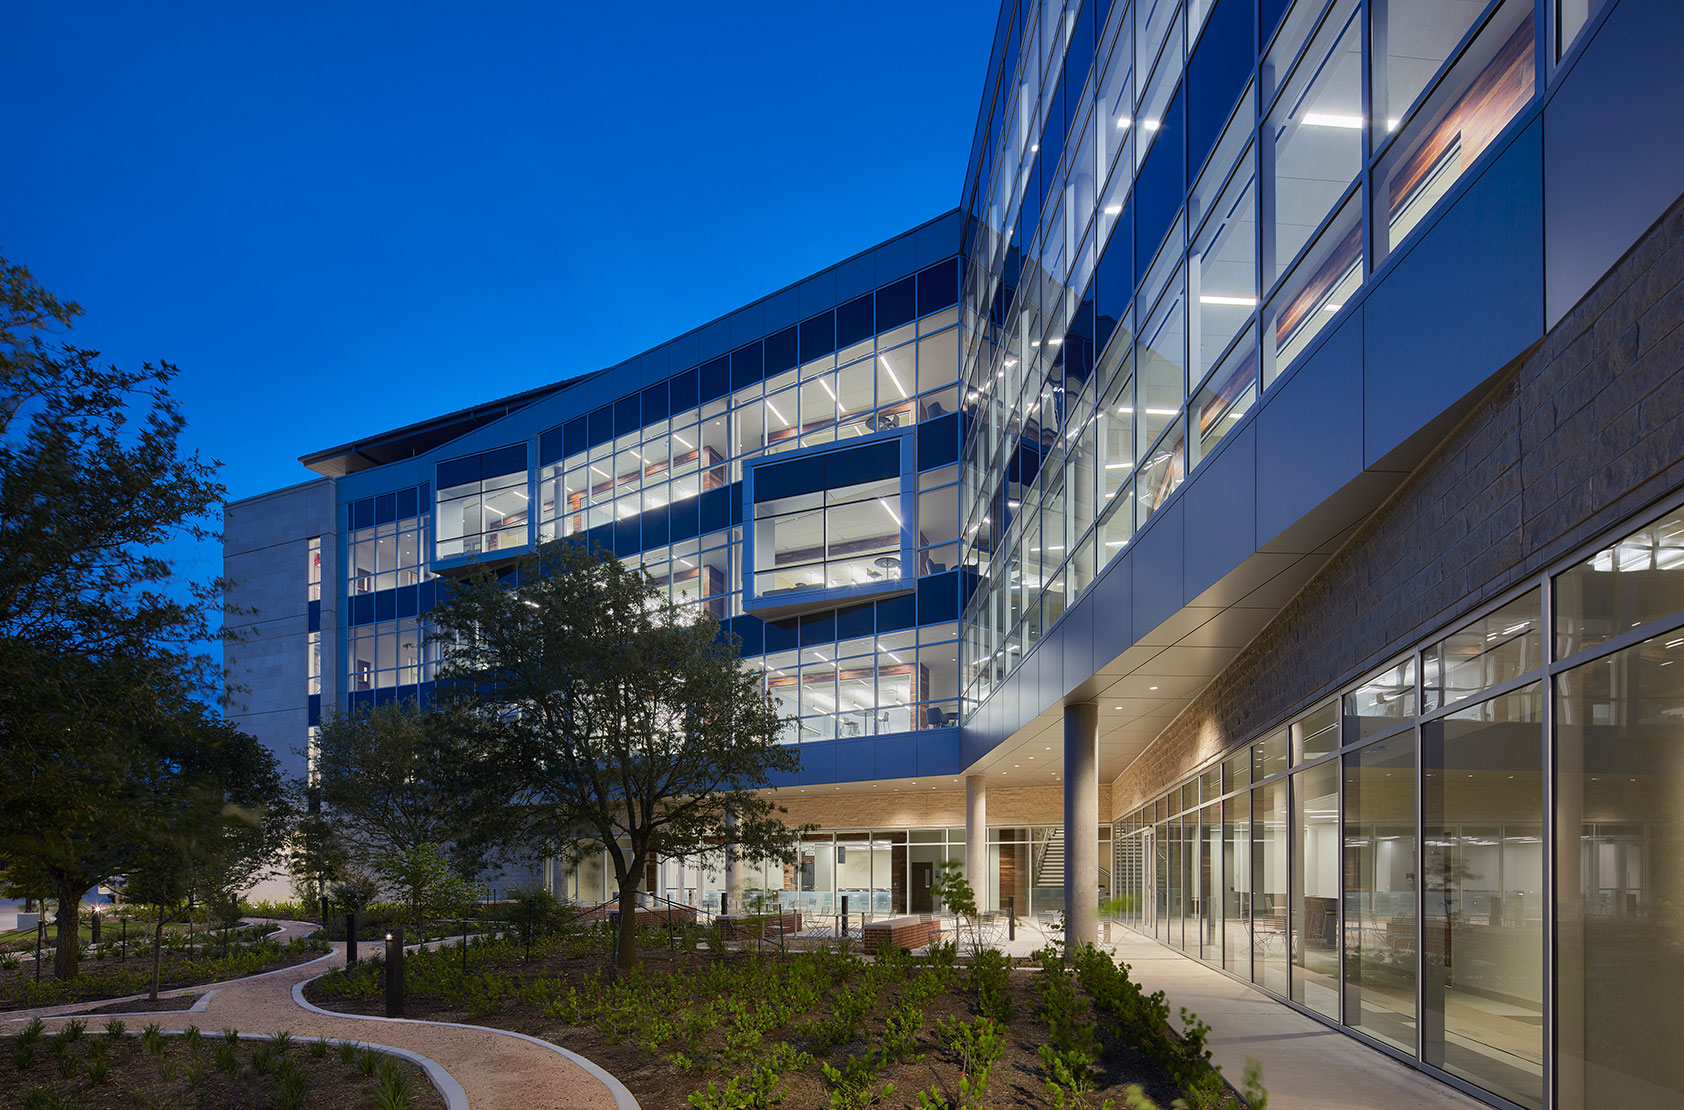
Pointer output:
x,y
496,1069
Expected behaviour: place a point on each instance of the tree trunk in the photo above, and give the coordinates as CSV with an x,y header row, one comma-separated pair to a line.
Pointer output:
x,y
68,948
157,951
626,958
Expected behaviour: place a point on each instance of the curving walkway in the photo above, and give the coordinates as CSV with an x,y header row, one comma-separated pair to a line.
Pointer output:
x,y
493,1068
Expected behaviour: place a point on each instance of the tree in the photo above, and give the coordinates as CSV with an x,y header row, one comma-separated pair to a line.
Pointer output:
x,y
86,497
389,777
605,712
98,643
215,819
73,820
316,859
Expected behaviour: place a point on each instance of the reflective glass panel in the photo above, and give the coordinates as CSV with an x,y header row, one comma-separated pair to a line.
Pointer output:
x,y
1482,928
1380,921
1620,888
1623,586
1315,888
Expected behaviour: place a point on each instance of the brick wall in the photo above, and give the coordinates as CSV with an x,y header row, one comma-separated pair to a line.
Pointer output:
x,y
1585,431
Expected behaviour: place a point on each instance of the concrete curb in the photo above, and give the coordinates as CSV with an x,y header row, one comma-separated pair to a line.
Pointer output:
x,y
623,1099
75,1009
455,1098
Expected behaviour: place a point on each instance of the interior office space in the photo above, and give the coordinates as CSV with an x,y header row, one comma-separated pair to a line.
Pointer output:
x,y
1257,506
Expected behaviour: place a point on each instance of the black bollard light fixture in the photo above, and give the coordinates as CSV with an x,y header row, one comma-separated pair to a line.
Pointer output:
x,y
844,915
351,939
394,972
1011,917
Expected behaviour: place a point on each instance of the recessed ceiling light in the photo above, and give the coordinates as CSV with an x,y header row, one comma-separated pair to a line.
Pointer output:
x,y
1151,687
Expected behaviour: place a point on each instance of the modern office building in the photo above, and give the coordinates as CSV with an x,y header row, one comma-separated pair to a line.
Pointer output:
x,y
1261,502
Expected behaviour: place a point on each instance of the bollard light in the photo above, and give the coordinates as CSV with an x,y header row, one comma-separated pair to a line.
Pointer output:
x,y
394,973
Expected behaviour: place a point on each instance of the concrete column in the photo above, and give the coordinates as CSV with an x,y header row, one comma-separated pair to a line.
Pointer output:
x,y
976,838
1081,823
733,869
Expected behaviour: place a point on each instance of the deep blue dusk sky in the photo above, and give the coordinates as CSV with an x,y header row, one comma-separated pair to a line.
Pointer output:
x,y
342,218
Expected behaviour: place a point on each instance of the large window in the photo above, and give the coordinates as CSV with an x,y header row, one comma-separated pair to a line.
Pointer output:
x,y
1380,890
1620,886
1401,885
1488,87
1483,919
482,503
1314,132
834,521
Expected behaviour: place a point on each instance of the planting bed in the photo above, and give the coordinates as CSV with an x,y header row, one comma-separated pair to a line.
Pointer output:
x,y
102,1070
108,975
720,1029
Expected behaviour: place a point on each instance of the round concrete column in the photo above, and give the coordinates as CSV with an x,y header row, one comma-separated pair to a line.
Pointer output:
x,y
1081,823
976,838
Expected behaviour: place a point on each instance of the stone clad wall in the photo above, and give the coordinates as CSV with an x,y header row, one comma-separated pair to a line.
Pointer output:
x,y
1586,431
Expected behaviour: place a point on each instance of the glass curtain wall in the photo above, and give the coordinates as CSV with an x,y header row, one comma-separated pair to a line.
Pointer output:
x,y
1387,861
1168,206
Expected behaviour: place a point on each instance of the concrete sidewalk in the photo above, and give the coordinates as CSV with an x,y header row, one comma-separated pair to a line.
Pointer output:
x,y
1306,1065
494,1068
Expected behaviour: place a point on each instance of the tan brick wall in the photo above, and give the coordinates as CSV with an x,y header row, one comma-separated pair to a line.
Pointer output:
x,y
1585,432
1024,805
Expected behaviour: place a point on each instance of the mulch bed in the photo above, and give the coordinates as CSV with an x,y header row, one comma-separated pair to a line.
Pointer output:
x,y
1015,1081
147,1006
137,1078
16,985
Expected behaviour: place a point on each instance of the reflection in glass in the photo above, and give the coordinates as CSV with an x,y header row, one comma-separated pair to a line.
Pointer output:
x,y
1268,883
1315,888
1502,645
1491,83
1382,703
1315,137
1236,885
1222,272
1207,874
1307,301
1623,586
1620,889
1380,925
1482,929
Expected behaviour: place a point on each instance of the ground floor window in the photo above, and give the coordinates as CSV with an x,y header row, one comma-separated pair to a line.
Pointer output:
x,y
1493,819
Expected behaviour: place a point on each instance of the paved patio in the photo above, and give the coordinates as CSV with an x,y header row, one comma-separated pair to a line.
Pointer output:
x,y
1306,1065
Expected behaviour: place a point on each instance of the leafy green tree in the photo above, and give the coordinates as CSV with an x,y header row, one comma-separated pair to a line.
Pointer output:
x,y
98,641
601,711
390,777
427,882
215,818
316,858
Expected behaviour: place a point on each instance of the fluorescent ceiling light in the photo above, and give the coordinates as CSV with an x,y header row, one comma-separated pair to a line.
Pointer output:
x,y
1119,466
776,413
1328,119
1124,121
1150,124
1331,307
827,389
1238,302
601,471
886,508
688,445
1162,412
1113,210
892,377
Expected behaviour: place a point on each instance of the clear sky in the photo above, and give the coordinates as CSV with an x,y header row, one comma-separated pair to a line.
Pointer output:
x,y
342,218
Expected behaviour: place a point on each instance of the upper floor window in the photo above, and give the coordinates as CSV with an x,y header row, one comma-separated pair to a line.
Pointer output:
x,y
483,503
835,520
